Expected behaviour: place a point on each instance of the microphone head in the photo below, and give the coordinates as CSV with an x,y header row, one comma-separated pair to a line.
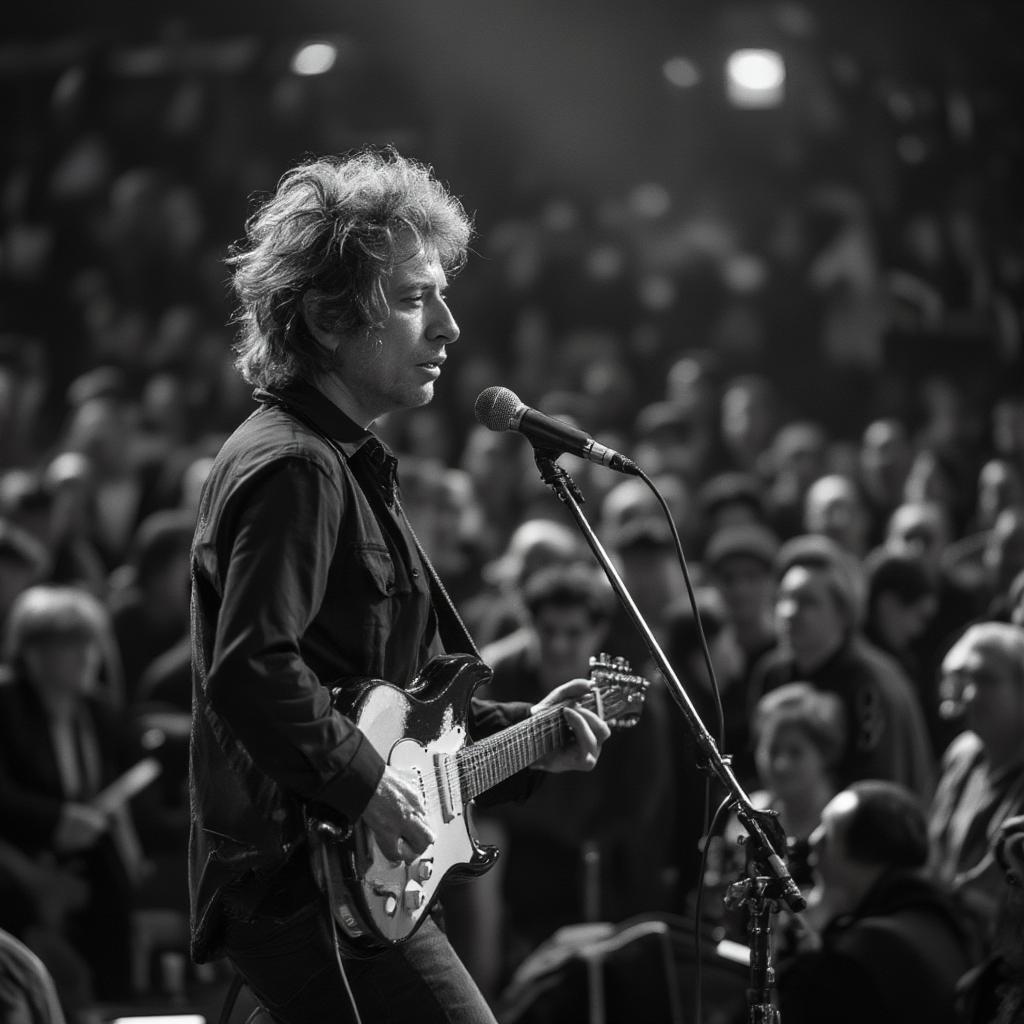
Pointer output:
x,y
495,408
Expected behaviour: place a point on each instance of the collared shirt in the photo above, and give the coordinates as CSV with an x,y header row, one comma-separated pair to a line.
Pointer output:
x,y
305,577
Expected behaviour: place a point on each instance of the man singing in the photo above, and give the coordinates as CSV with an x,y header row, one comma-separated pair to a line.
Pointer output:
x,y
306,576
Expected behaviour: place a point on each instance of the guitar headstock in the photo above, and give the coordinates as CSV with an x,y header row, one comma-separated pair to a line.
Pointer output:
x,y
619,693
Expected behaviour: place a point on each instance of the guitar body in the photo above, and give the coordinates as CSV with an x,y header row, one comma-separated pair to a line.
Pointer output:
x,y
421,732
417,732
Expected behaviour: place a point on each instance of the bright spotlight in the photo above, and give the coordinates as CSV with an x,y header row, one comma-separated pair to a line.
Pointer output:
x,y
314,58
755,78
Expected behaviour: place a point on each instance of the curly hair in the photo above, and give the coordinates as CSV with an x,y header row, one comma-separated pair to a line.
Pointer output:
x,y
335,227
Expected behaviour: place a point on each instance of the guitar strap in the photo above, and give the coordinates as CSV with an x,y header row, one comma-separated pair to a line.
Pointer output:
x,y
454,634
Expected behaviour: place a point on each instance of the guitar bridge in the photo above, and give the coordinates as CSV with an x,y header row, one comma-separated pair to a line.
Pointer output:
x,y
447,774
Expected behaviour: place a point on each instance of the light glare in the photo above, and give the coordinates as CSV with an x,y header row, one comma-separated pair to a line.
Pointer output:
x,y
755,78
314,58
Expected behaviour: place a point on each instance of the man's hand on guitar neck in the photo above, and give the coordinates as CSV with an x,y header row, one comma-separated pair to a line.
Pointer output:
x,y
396,817
590,730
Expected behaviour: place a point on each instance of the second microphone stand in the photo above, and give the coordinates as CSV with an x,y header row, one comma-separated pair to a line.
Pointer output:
x,y
769,880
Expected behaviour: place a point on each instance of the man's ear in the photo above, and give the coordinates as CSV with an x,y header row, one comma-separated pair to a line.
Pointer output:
x,y
311,314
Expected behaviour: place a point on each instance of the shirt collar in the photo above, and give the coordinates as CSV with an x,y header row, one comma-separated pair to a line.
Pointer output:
x,y
355,442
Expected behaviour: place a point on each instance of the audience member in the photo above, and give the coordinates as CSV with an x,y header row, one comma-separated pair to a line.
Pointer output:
x,y
923,530
739,562
800,737
749,419
993,991
982,778
885,456
572,853
148,605
797,457
835,509
60,745
891,945
819,611
900,604
497,609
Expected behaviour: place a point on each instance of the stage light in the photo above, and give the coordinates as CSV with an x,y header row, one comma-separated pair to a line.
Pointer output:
x,y
755,78
314,58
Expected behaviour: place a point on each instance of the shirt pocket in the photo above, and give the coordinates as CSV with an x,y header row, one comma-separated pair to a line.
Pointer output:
x,y
376,567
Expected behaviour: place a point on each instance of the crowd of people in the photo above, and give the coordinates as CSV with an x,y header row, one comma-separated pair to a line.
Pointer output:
x,y
855,536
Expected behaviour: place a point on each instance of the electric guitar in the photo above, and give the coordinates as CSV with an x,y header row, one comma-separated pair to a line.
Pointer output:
x,y
422,731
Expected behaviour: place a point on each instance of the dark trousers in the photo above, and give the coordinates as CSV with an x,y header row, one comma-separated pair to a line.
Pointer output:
x,y
290,966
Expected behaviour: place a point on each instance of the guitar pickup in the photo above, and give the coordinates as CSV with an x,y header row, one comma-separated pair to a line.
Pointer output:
x,y
446,771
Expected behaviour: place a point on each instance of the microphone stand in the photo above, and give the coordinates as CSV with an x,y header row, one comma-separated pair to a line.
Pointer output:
x,y
769,880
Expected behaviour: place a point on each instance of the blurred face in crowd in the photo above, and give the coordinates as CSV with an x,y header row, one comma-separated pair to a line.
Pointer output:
x,y
747,587
992,695
64,666
885,459
918,531
789,763
828,847
808,616
567,636
1004,552
1000,486
900,622
834,509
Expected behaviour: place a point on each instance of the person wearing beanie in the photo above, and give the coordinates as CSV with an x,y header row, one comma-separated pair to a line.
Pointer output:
x,y
819,612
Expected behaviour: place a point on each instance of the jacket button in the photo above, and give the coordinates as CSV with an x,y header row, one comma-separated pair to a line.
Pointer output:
x,y
415,573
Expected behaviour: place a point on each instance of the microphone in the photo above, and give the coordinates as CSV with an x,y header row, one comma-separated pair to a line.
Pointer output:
x,y
498,408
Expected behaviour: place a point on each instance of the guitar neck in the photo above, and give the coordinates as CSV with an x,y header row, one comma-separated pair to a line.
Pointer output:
x,y
484,764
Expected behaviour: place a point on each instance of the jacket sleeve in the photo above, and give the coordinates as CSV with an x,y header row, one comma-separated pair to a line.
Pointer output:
x,y
279,547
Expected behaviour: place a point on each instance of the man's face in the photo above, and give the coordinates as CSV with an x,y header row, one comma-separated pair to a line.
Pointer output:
x,y
993,697
396,367
807,615
567,636
828,857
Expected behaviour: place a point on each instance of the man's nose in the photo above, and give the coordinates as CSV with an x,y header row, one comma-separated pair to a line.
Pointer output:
x,y
443,325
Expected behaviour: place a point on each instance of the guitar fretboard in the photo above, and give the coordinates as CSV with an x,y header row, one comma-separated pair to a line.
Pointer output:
x,y
484,764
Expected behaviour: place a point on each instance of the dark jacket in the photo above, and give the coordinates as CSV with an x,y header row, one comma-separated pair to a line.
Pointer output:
x,y
31,794
896,959
888,738
304,577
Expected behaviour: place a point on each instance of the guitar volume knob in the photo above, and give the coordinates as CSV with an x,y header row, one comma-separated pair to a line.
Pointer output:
x,y
424,869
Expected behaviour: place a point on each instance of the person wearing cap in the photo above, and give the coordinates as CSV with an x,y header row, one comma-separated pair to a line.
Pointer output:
x,y
982,778
739,561
819,603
